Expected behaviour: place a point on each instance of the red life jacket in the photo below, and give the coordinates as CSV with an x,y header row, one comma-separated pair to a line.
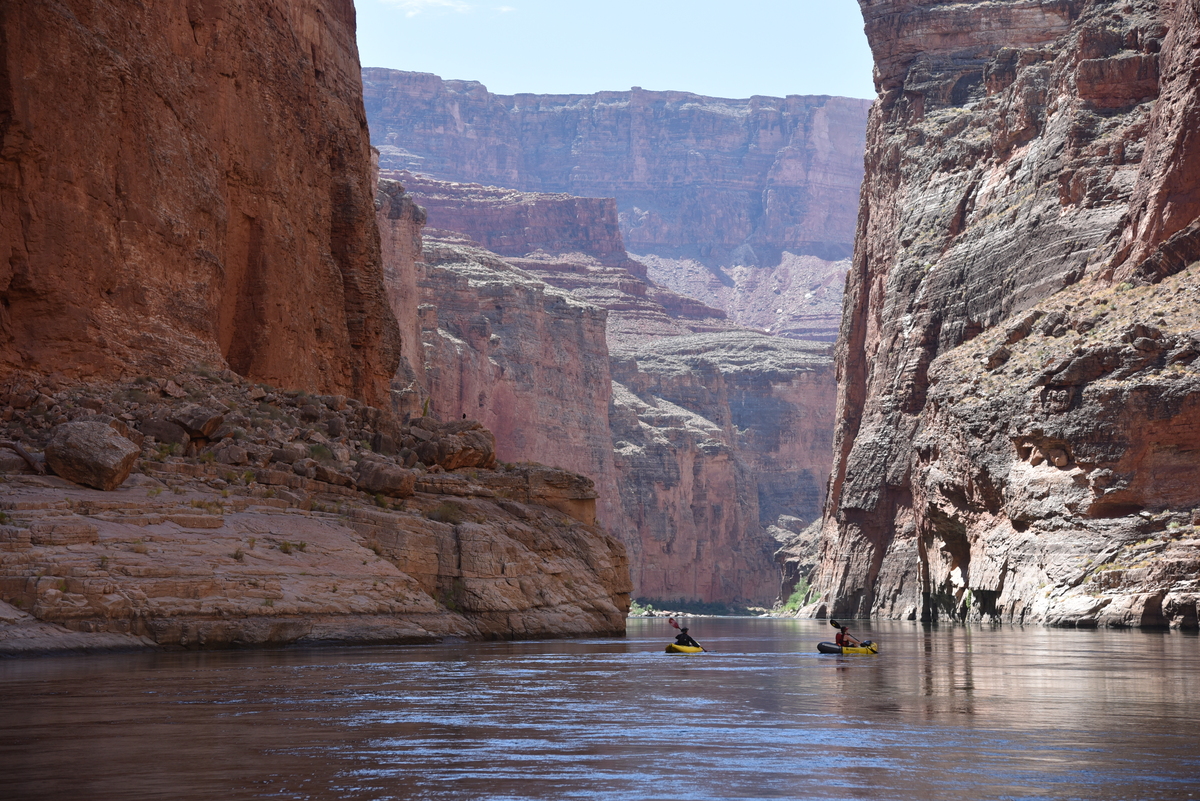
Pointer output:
x,y
841,638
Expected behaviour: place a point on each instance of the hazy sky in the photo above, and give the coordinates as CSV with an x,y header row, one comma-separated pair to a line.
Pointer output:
x,y
734,48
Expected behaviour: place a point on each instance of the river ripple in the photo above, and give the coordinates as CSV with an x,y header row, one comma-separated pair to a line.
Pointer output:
x,y
948,713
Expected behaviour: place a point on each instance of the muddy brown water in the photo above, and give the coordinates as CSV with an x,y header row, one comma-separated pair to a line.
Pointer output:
x,y
947,713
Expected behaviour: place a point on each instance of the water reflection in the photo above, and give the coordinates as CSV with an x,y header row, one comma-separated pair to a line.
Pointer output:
x,y
947,713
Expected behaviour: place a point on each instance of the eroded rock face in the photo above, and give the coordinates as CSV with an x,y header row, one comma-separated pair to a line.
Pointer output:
x,y
570,243
1005,439
529,361
275,529
721,445
757,181
186,183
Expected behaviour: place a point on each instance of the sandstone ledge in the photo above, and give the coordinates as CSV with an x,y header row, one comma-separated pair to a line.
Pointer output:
x,y
243,543
172,562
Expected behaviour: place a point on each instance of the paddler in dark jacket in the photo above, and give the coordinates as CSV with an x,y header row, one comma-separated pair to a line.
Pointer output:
x,y
685,639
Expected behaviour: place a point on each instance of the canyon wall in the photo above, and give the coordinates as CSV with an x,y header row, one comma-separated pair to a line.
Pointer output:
x,y
400,221
1017,433
715,192
722,444
210,428
708,444
187,182
527,360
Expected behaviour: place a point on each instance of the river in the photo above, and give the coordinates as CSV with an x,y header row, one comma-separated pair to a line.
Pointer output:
x,y
943,713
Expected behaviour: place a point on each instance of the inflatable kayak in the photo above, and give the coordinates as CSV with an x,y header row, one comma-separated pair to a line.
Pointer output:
x,y
867,647
683,649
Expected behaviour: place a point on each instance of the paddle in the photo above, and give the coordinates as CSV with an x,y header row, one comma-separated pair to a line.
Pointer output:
x,y
675,625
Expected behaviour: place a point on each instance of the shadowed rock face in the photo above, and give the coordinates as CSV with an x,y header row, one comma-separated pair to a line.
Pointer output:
x,y
720,443
718,191
189,182
1007,408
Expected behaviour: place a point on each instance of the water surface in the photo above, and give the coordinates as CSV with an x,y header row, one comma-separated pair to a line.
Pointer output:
x,y
948,713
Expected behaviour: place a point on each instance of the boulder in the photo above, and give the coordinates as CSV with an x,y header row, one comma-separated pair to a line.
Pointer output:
x,y
331,476
427,452
473,448
383,443
289,454
92,454
232,454
385,478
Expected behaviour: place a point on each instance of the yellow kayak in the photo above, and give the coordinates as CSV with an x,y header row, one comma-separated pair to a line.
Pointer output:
x,y
834,648
683,649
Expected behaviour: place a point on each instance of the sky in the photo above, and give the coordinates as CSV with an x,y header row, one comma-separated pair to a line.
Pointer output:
x,y
734,48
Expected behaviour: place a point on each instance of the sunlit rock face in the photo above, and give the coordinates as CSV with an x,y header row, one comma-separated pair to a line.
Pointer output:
x,y
707,443
526,359
1017,377
257,517
189,182
715,193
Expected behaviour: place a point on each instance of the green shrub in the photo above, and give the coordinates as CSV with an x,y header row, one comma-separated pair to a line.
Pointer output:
x,y
637,608
446,512
796,599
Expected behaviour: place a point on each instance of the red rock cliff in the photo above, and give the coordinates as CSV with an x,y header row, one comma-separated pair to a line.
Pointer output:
x,y
717,191
708,444
188,182
1017,398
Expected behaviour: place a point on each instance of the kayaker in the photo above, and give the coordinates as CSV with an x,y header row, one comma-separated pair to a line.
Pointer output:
x,y
845,639
685,639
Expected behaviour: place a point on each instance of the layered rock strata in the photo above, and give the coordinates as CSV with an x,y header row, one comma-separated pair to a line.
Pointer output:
x,y
528,360
570,243
719,191
275,524
1015,421
721,445
187,182
709,444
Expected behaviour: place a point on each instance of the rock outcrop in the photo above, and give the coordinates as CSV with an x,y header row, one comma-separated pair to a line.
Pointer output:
x,y
190,182
279,526
718,192
1017,433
